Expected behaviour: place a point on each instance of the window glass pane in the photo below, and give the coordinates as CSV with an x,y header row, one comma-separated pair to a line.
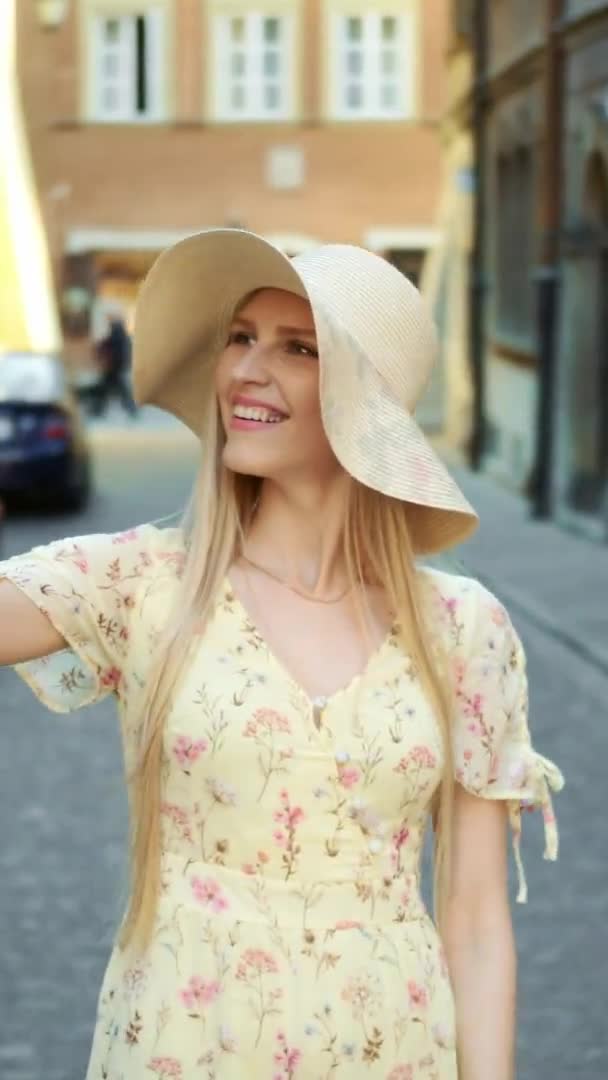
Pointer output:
x,y
272,29
271,63
110,99
237,29
354,62
272,96
238,64
388,62
237,97
354,28
388,96
110,66
111,31
463,17
354,96
514,249
389,28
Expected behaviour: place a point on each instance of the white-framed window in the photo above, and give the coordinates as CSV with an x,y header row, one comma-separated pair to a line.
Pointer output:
x,y
126,78
253,67
372,60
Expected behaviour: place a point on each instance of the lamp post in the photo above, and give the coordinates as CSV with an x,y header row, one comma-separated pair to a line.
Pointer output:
x,y
478,276
547,276
51,13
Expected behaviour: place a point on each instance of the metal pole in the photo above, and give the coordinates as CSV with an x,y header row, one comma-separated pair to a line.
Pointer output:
x,y
548,272
478,283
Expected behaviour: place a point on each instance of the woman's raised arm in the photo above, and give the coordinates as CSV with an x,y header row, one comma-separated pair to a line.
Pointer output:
x,y
25,633
70,611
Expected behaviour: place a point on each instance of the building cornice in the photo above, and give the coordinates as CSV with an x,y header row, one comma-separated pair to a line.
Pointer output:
x,y
80,241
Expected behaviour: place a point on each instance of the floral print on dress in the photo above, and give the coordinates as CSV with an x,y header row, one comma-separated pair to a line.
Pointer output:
x,y
291,941
91,589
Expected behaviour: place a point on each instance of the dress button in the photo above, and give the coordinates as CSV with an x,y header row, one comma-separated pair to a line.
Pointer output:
x,y
318,705
375,845
342,756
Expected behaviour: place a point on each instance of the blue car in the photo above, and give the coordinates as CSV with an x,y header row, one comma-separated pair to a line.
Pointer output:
x,y
44,454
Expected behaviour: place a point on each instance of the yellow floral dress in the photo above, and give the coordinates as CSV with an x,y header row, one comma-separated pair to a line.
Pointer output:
x,y
291,939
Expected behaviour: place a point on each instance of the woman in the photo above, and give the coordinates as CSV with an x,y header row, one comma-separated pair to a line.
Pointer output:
x,y
298,696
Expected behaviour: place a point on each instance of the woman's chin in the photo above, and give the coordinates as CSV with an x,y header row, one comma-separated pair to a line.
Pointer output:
x,y
249,463
249,458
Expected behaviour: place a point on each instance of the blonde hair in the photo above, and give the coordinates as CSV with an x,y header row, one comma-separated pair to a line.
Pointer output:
x,y
377,549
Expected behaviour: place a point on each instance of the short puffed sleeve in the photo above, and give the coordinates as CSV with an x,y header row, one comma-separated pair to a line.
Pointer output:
x,y
91,588
494,756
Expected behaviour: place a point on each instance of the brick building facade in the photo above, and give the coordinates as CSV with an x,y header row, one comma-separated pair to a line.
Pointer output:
x,y
303,120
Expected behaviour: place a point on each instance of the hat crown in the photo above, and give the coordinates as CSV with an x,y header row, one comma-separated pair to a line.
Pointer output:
x,y
379,308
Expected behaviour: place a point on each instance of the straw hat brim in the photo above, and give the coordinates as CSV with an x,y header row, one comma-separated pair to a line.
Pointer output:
x,y
184,303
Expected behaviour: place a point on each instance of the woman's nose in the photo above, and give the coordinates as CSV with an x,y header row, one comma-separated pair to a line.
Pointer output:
x,y
251,363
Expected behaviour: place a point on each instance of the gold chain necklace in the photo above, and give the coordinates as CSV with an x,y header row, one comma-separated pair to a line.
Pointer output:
x,y
294,588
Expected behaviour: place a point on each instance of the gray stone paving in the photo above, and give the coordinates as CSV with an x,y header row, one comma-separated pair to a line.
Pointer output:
x,y
557,579
62,805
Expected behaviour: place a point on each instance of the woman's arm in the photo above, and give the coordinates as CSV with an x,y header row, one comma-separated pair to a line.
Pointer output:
x,y
25,633
478,939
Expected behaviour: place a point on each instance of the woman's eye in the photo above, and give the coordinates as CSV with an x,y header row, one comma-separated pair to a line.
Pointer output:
x,y
239,337
302,349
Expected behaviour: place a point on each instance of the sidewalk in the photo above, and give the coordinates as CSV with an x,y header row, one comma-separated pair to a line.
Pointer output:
x,y
149,426
557,580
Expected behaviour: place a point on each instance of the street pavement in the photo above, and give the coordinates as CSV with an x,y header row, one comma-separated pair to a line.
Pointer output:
x,y
63,808
553,577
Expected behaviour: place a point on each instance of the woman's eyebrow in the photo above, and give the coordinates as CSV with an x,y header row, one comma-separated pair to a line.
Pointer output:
x,y
298,331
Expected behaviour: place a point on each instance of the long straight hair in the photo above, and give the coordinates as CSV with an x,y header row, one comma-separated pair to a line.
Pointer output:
x,y
377,549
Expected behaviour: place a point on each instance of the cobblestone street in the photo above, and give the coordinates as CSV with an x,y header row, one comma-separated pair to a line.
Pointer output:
x,y
62,804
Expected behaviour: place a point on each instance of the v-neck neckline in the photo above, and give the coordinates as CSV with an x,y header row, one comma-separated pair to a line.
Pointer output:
x,y
318,700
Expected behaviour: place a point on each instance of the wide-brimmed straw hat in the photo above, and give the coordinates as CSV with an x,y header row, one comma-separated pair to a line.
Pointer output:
x,y
376,341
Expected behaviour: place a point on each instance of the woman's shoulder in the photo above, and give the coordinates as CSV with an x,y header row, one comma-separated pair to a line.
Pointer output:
x,y
103,557
161,542
461,607
147,541
449,585
156,551
124,562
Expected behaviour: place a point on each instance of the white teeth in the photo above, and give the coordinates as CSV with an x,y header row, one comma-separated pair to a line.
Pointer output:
x,y
265,416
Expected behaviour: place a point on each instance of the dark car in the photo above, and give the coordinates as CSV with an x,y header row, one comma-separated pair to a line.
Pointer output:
x,y
44,453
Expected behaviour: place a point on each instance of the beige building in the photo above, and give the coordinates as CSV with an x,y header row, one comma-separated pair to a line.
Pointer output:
x,y
303,120
528,86
446,273
580,474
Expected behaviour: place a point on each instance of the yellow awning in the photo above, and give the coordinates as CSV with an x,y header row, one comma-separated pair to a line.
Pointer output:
x,y
28,311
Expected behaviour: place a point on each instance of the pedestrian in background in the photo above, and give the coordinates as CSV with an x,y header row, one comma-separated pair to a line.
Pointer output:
x,y
114,357
299,693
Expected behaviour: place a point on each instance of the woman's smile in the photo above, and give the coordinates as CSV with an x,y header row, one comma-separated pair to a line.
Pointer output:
x,y
252,414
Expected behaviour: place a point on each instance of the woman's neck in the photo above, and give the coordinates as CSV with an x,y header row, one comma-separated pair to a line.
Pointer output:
x,y
297,535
